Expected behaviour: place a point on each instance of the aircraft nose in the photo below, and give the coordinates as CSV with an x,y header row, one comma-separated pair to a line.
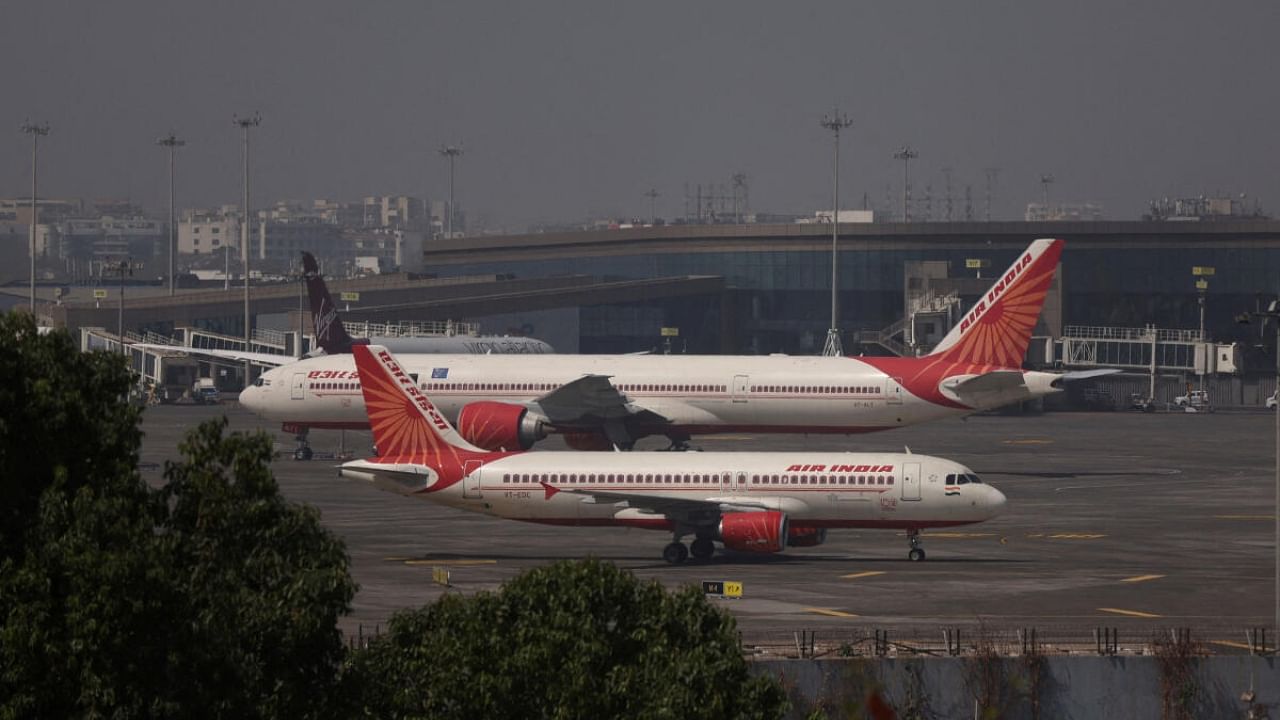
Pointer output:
x,y
249,398
995,501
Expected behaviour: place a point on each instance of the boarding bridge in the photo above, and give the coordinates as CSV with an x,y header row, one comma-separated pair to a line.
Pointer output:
x,y
1151,349
155,368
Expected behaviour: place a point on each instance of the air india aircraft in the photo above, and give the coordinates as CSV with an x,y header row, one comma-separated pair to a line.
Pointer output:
x,y
603,401
752,502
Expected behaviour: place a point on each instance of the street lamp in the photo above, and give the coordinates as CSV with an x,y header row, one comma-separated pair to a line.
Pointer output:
x,y
906,155
835,122
36,131
123,267
171,142
451,152
1272,313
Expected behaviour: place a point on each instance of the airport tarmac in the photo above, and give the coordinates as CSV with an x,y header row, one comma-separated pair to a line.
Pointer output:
x,y
1119,519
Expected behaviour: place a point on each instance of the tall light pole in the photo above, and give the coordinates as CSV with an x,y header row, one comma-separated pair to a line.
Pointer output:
x,y
173,143
245,123
906,155
1272,313
835,122
1045,181
36,131
451,152
652,194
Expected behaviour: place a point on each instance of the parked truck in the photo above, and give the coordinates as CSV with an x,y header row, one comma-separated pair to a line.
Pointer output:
x,y
204,392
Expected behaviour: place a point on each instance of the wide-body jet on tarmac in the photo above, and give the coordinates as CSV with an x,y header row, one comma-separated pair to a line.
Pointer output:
x,y
602,401
752,502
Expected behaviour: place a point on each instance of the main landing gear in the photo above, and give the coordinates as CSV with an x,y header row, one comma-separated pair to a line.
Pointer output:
x,y
303,450
917,552
700,549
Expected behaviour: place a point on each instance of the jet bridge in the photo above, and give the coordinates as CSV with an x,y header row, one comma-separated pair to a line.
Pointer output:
x,y
1155,350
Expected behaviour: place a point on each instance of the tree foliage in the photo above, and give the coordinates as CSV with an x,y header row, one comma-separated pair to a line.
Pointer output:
x,y
570,640
208,597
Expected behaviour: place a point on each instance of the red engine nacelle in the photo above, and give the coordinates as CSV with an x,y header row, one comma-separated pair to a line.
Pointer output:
x,y
805,536
499,426
587,441
763,532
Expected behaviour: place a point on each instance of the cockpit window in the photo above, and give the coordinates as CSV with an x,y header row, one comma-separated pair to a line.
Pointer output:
x,y
259,382
962,479
974,479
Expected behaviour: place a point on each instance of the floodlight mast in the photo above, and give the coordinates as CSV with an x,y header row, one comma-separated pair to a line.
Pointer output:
x,y
245,123
906,155
36,131
452,152
172,143
835,122
1272,314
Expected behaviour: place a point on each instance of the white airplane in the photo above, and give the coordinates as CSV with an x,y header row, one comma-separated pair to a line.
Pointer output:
x,y
603,401
752,502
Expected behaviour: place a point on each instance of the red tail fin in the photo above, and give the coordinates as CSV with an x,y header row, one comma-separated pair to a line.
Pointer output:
x,y
997,330
404,421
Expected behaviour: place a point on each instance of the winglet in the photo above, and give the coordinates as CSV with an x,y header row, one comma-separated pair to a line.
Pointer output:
x,y
997,330
330,334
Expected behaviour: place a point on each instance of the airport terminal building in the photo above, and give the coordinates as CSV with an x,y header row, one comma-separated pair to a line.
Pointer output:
x,y
776,279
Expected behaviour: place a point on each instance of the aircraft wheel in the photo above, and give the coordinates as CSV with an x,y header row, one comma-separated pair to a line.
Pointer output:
x,y
675,553
916,555
702,548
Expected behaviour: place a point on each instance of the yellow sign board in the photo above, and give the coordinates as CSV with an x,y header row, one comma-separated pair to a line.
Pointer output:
x,y
440,576
725,588
350,296
670,332
977,263
1202,284
1202,270
99,294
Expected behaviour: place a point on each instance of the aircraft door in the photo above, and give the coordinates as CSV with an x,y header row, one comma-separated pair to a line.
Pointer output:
x,y
893,390
471,479
740,384
911,481
298,389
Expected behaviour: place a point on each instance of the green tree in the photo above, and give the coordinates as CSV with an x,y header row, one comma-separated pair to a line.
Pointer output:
x,y
570,640
209,597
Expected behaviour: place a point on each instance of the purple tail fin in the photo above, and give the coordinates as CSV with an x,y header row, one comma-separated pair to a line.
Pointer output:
x,y
330,335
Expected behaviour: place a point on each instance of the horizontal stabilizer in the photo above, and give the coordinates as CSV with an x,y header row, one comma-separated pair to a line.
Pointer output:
x,y
992,382
1086,374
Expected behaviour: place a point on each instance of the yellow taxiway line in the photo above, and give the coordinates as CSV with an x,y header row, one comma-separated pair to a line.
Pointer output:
x,y
429,561
867,573
832,613
1141,578
1130,613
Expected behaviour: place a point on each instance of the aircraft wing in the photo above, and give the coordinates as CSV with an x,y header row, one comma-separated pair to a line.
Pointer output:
x,y
685,510
268,359
589,400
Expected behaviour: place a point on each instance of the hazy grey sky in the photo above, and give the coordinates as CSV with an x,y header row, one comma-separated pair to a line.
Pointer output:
x,y
573,110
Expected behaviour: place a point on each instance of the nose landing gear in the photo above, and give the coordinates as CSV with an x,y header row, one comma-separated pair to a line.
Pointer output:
x,y
303,450
917,553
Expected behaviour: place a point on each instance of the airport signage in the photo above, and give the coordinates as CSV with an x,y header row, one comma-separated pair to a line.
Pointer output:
x,y
99,294
976,263
440,576
670,332
350,296
1202,284
723,588
1202,270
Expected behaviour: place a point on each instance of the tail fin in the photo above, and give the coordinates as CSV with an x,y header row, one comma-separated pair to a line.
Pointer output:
x,y
997,330
404,421
330,334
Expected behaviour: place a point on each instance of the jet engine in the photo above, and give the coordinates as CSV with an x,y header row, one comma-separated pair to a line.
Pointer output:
x,y
762,532
805,536
498,426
